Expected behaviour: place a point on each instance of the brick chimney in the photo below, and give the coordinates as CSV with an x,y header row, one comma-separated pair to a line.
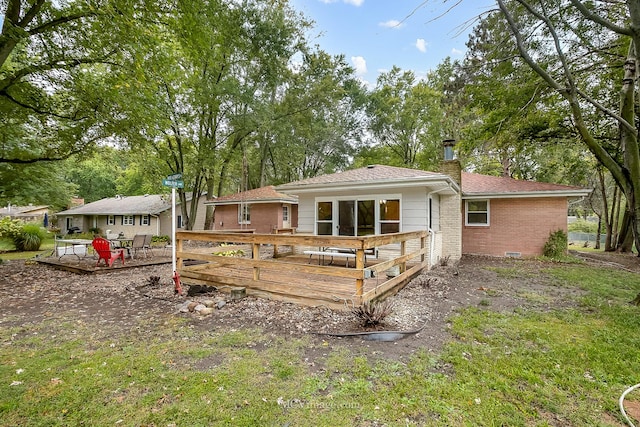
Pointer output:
x,y
450,165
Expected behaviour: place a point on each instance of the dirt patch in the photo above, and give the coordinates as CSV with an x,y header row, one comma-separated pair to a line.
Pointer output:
x,y
121,301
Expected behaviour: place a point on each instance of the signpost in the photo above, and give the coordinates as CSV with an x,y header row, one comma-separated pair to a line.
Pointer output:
x,y
174,181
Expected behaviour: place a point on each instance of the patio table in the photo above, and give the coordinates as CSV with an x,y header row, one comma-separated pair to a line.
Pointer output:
x,y
75,247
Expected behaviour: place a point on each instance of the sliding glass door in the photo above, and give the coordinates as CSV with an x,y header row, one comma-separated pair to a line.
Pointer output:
x,y
358,217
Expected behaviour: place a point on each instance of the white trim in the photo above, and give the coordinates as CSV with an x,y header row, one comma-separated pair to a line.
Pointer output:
x,y
355,198
477,224
527,194
244,210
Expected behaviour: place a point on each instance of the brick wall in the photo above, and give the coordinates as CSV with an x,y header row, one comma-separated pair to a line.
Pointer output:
x,y
264,217
516,225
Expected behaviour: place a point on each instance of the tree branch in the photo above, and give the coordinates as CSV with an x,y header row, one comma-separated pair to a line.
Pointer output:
x,y
600,20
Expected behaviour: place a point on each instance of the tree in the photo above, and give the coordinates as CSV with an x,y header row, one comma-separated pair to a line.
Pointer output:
x,y
566,44
405,116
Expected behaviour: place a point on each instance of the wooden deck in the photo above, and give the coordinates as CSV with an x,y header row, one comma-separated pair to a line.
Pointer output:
x,y
293,277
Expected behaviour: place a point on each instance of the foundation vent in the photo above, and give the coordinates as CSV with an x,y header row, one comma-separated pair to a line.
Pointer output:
x,y
513,254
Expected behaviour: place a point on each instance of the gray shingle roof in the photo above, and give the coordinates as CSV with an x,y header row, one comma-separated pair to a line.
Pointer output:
x,y
152,204
368,174
266,194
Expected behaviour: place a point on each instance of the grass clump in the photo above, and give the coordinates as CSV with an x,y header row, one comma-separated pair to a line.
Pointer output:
x,y
373,313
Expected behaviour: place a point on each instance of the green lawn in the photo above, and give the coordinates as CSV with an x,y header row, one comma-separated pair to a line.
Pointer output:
x,y
7,250
525,368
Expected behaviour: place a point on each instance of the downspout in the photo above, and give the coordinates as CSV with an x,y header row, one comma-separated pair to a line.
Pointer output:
x,y
432,236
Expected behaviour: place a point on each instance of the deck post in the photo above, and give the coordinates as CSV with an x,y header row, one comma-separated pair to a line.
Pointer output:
x,y
179,263
423,241
256,256
360,280
403,251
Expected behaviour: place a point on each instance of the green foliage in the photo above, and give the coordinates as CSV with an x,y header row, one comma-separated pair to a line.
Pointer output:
x,y
30,237
10,227
556,245
161,239
25,236
583,226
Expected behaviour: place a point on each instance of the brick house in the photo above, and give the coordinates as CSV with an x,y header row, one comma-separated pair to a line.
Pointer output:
x,y
261,209
465,213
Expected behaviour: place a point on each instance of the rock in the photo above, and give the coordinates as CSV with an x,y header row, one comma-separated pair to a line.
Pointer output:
x,y
191,306
221,304
209,303
206,311
184,307
199,307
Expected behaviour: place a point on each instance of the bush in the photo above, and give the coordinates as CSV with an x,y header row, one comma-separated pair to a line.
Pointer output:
x,y
556,246
25,236
30,238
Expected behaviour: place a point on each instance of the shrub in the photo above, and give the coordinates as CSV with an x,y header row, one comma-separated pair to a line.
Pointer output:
x,y
373,313
30,238
9,228
556,246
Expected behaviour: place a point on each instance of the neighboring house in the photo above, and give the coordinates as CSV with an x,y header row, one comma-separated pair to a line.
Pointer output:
x,y
262,209
130,215
29,213
465,213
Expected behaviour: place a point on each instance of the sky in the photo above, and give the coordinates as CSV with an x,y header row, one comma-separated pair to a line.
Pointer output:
x,y
375,35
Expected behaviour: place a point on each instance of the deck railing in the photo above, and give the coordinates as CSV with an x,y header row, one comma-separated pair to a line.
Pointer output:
x,y
408,257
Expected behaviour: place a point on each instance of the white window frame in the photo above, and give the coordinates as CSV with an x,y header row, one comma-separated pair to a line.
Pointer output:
x,y
244,213
111,220
285,213
361,197
145,219
128,220
467,212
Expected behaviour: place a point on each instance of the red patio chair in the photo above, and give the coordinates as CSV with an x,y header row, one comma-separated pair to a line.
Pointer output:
x,y
104,251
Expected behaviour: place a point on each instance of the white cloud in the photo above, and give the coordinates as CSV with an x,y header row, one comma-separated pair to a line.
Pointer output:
x,y
360,65
421,44
392,23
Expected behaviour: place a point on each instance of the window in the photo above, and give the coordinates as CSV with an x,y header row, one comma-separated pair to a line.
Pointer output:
x,y
128,220
389,216
285,213
244,214
477,212
324,222
145,220
179,223
111,220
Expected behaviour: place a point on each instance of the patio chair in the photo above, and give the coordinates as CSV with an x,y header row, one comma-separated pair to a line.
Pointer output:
x,y
141,242
104,251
